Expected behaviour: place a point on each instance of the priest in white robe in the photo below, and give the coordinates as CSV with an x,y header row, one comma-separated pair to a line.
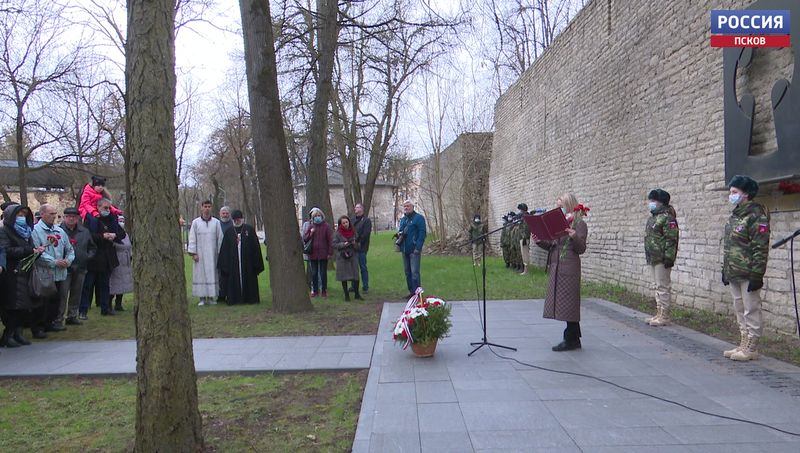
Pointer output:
x,y
205,239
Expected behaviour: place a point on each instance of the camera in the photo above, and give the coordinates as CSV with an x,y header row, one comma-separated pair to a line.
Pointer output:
x,y
400,238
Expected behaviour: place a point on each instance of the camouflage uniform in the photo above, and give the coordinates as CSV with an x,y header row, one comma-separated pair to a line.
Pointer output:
x,y
505,243
514,250
475,231
660,249
745,262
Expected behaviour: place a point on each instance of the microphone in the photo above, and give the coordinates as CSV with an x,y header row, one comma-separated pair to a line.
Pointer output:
x,y
786,239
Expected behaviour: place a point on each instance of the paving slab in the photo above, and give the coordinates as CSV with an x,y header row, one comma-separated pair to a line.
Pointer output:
x,y
487,403
211,355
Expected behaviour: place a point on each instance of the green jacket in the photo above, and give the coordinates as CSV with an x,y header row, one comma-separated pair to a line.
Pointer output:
x,y
661,237
746,243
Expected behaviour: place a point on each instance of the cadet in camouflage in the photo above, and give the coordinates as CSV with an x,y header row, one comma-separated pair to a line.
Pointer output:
x,y
505,242
745,262
660,249
524,239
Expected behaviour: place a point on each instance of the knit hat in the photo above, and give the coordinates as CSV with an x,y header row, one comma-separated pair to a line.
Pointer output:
x,y
522,207
98,181
71,211
746,184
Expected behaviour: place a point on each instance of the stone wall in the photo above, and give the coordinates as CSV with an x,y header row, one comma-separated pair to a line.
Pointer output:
x,y
629,98
464,169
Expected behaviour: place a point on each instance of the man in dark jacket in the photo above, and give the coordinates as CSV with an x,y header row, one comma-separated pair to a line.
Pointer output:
x,y
104,230
85,250
363,227
411,237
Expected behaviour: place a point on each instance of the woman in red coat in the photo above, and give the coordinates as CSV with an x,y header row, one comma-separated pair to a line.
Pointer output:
x,y
321,250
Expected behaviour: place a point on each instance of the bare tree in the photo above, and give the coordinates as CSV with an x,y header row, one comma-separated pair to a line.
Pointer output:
x,y
286,275
34,63
167,415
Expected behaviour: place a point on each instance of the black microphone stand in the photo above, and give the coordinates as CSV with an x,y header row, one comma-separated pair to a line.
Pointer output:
x,y
790,239
482,238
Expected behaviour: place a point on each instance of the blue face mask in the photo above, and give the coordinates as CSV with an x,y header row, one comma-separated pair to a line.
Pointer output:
x,y
105,213
734,198
652,205
564,210
317,220
21,221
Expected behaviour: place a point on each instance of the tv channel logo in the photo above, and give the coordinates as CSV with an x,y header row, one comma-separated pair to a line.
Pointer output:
x,y
750,28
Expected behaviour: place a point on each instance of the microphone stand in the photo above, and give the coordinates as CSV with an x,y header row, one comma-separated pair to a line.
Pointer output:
x,y
790,239
482,238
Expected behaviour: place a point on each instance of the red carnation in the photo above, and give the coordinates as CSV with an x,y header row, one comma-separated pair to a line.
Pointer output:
x,y
73,242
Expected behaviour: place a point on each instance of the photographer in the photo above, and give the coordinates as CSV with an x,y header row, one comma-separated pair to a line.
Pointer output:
x,y
410,239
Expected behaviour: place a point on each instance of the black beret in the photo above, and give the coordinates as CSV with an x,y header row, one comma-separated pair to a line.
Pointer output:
x,y
659,195
746,184
653,195
522,207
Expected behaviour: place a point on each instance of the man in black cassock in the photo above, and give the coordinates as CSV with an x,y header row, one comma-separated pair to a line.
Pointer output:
x,y
240,261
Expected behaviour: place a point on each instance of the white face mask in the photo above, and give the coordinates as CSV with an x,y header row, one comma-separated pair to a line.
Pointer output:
x,y
652,206
734,198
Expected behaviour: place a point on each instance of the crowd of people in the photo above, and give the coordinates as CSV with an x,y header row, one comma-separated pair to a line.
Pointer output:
x,y
51,271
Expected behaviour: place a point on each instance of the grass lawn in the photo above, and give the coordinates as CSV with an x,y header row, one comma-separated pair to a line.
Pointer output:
x,y
276,413
449,277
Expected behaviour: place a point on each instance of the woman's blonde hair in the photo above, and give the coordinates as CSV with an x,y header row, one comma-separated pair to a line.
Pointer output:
x,y
568,201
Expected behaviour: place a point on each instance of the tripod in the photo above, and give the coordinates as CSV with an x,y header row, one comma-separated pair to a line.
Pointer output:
x,y
482,239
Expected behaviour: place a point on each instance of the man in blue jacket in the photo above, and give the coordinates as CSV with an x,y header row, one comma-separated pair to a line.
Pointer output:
x,y
411,237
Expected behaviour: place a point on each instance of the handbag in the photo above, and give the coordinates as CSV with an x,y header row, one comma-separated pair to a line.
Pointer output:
x,y
308,246
42,282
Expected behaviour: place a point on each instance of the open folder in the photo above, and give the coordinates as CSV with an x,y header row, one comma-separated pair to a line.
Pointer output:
x,y
548,226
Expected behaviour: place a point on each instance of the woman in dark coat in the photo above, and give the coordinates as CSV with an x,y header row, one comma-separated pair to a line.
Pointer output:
x,y
15,238
240,261
321,249
563,300
345,242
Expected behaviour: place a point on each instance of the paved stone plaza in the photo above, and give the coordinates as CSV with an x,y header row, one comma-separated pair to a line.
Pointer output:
x,y
484,403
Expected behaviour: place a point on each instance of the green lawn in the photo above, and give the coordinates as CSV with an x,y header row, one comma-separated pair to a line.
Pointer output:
x,y
448,277
280,413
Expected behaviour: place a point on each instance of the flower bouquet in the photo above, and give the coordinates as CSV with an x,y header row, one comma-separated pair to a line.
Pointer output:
x,y
26,263
424,321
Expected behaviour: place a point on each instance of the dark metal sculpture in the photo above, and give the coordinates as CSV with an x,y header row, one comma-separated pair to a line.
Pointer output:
x,y
783,163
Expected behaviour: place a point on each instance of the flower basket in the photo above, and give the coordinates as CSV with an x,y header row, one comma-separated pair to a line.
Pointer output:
x,y
423,322
424,349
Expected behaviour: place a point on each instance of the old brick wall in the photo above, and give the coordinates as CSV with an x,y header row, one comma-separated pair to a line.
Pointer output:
x,y
629,98
464,167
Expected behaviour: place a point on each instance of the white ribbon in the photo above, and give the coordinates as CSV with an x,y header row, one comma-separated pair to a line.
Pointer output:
x,y
402,324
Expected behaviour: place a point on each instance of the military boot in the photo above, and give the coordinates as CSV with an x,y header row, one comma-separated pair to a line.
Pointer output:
x,y
742,341
662,318
658,310
748,352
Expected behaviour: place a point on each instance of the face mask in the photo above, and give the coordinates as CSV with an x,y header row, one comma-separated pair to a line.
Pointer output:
x,y
564,210
317,220
734,198
21,221
105,213
652,206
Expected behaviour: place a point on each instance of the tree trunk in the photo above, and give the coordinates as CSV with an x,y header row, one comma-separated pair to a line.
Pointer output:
x,y
287,277
317,190
167,417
